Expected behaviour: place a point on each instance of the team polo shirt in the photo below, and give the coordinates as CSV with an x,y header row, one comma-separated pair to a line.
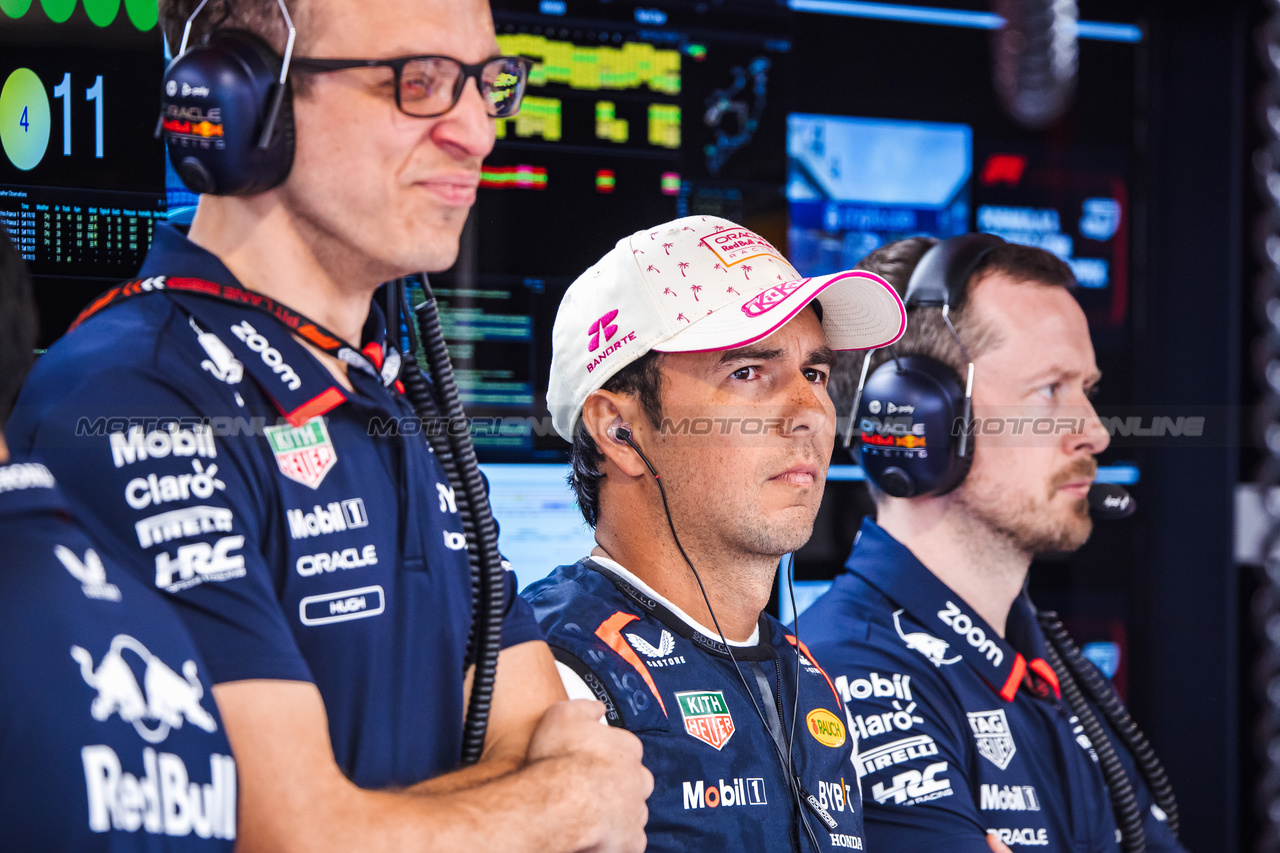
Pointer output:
x,y
303,531
718,777
109,735
960,732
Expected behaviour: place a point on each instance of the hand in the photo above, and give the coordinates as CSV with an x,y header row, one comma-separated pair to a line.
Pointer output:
x,y
598,770
997,846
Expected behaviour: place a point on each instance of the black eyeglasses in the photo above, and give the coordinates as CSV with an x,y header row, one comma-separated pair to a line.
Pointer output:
x,y
430,86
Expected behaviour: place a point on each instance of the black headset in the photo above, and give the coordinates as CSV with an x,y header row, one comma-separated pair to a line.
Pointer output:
x,y
227,113
913,416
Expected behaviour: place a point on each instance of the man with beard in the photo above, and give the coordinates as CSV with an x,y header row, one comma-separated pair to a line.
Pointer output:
x,y
967,719
689,370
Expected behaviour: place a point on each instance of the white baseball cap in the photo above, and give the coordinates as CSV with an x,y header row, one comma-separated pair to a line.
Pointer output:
x,y
696,284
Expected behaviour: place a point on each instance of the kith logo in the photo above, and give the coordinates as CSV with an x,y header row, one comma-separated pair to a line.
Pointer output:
x,y
604,324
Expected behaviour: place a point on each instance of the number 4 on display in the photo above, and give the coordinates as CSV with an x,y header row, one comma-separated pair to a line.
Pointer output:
x,y
93,93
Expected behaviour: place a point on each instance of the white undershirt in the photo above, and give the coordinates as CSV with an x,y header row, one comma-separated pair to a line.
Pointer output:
x,y
573,683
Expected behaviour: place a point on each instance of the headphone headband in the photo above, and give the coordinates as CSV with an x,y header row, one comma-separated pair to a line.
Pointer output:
x,y
943,273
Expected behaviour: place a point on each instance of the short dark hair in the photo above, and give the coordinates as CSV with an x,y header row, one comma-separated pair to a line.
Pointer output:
x,y
260,17
641,378
927,333
17,324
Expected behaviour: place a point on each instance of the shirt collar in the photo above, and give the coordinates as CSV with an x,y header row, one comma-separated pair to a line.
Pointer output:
x,y
955,631
29,487
313,392
616,568
659,608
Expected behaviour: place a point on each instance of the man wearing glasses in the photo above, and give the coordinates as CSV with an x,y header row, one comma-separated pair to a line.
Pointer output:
x,y
322,572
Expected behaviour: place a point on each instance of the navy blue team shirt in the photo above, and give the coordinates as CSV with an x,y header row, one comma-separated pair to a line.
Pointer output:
x,y
960,732
299,531
109,737
718,777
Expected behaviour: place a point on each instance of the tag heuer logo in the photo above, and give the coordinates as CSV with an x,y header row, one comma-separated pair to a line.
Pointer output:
x,y
305,454
706,716
995,741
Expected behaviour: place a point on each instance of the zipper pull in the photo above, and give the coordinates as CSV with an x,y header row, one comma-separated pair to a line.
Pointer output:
x,y
814,806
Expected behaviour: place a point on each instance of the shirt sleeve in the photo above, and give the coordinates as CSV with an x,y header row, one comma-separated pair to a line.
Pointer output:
x,y
177,500
519,625
910,757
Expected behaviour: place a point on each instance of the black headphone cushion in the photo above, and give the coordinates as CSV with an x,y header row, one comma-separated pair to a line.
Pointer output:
x,y
909,418
216,100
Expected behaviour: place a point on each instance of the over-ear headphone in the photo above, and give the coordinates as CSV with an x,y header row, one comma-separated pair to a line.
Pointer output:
x,y
914,414
227,113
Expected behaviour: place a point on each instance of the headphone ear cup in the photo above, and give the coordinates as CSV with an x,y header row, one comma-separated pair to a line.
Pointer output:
x,y
216,100
907,422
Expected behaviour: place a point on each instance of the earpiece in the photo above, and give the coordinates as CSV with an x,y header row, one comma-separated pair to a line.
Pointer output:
x,y
621,433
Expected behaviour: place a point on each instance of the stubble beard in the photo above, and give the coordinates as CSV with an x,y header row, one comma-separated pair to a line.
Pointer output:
x,y
1031,524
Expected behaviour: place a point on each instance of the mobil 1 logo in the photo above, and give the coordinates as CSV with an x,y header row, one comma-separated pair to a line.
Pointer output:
x,y
334,517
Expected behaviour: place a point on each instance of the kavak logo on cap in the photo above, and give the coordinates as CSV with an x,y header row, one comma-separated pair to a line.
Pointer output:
x,y
706,716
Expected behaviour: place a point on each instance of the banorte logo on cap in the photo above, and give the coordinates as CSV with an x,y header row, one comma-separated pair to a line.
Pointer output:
x,y
604,324
605,327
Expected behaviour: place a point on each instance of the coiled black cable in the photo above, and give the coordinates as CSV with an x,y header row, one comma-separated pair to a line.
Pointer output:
x,y
1105,698
419,392
1266,352
1124,801
438,404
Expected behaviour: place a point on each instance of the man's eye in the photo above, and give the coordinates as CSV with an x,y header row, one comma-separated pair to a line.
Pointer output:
x,y
1049,391
813,374
418,87
745,374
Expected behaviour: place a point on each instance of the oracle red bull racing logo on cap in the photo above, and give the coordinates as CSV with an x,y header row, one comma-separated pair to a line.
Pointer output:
x,y
706,716
735,245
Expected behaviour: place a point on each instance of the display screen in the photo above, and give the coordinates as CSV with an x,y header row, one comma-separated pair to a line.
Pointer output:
x,y
633,116
81,174
857,183
828,135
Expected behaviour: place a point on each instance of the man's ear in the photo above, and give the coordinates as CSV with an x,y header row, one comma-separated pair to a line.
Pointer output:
x,y
605,409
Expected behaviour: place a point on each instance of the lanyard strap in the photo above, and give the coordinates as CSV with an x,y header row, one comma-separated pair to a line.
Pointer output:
x,y
299,323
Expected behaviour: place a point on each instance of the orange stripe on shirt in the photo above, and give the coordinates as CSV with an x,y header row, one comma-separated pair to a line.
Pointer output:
x,y
610,631
805,650
1010,688
323,403
1042,668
